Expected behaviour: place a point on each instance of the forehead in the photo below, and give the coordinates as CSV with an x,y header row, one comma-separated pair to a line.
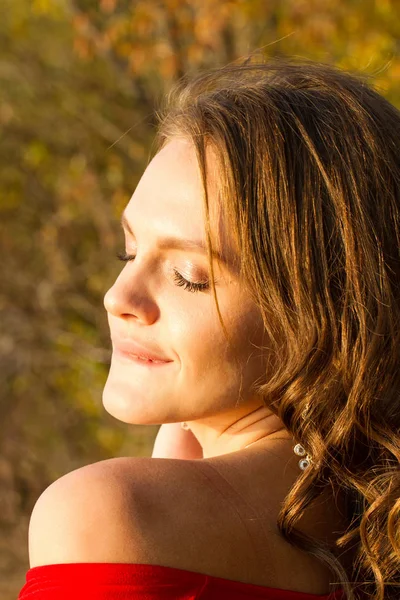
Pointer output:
x,y
169,197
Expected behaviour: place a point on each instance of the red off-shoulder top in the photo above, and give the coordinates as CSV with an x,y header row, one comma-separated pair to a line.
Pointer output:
x,y
116,581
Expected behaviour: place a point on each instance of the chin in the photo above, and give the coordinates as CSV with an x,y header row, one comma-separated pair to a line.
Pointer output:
x,y
131,407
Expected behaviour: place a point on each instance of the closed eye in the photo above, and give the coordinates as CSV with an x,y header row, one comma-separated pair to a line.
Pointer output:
x,y
125,257
180,281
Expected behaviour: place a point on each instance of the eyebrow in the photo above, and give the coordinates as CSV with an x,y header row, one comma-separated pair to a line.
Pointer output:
x,y
169,242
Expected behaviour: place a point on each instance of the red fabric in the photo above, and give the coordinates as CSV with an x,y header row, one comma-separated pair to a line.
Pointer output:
x,y
116,581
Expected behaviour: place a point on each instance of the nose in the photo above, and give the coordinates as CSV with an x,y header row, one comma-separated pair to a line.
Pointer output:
x,y
128,298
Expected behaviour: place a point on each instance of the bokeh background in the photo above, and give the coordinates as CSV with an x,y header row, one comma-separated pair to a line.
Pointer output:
x,y
80,81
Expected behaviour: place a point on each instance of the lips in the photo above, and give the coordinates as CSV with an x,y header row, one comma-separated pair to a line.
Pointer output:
x,y
132,348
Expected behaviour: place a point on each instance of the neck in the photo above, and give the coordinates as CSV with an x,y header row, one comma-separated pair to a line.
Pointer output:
x,y
222,434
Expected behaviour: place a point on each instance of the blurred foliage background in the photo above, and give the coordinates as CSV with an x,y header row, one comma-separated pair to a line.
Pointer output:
x,y
80,81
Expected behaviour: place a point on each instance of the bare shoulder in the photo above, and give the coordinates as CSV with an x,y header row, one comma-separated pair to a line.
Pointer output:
x,y
176,513
136,510
103,512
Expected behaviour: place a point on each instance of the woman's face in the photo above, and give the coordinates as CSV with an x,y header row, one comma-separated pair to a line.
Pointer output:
x,y
149,305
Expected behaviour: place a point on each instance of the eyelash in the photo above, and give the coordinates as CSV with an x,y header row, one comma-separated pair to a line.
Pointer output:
x,y
179,280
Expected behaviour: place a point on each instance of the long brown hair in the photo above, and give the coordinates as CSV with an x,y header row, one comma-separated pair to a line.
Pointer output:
x,y
309,160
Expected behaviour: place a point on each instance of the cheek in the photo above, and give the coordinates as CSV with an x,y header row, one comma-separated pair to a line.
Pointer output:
x,y
248,343
198,339
204,352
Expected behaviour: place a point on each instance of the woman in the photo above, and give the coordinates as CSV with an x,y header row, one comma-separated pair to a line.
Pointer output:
x,y
257,319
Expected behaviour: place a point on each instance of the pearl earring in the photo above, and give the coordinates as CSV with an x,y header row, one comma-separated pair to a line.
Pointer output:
x,y
305,462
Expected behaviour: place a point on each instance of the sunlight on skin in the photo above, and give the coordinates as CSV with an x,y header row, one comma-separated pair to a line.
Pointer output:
x,y
208,383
